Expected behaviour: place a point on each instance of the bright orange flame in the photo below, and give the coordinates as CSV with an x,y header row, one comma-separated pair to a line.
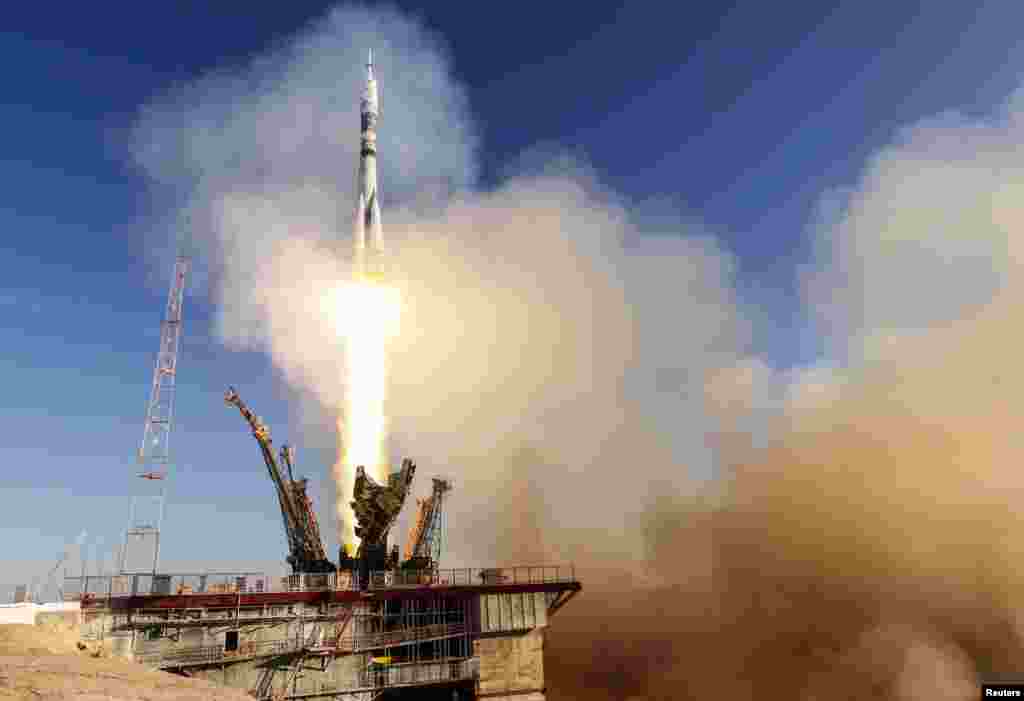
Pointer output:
x,y
369,315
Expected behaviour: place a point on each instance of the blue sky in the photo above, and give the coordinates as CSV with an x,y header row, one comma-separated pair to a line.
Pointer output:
x,y
739,114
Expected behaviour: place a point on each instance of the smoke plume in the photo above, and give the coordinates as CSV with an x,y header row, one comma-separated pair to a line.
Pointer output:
x,y
578,365
534,315
869,549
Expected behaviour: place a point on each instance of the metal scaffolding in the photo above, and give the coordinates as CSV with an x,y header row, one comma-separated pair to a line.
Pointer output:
x,y
315,635
147,505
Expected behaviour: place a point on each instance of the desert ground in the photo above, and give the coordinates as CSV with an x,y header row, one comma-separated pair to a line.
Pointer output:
x,y
48,663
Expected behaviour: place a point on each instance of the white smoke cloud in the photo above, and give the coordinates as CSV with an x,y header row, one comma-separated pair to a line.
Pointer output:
x,y
547,339
548,318
927,235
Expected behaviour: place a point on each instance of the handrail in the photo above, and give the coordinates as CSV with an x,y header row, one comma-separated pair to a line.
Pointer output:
x,y
420,672
372,641
215,653
174,657
445,669
112,586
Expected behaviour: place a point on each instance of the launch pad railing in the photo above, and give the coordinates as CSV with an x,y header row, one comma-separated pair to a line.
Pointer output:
x,y
540,574
101,587
421,672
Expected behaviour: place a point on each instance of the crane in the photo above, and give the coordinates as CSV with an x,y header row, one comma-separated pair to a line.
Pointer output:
x,y
306,549
307,515
154,456
423,549
35,594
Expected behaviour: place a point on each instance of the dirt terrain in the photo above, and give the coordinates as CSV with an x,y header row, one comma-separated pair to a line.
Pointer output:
x,y
44,663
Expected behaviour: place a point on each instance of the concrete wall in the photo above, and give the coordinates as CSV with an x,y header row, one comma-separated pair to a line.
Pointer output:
x,y
512,665
246,674
214,636
119,645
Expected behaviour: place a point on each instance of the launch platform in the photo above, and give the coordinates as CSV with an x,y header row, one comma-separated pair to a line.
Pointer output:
x,y
452,634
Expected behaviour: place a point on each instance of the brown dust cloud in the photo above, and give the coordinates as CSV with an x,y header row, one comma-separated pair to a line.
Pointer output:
x,y
582,367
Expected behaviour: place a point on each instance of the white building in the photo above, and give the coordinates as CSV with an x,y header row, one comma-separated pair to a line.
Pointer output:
x,y
29,613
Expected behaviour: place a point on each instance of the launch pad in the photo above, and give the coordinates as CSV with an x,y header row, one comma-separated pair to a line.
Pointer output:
x,y
371,625
463,634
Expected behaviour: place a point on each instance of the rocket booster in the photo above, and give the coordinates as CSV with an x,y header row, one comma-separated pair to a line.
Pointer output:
x,y
367,230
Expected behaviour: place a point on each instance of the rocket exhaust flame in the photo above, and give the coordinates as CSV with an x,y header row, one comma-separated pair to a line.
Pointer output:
x,y
369,320
373,310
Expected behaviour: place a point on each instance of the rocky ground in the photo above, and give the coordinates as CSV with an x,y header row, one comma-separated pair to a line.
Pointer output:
x,y
48,663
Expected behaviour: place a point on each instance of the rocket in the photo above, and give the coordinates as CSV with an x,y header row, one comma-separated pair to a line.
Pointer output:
x,y
367,228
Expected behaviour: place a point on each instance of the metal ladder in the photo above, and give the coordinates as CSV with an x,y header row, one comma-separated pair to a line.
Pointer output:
x,y
262,690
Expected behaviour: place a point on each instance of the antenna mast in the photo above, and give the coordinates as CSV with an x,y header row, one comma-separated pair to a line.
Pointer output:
x,y
147,504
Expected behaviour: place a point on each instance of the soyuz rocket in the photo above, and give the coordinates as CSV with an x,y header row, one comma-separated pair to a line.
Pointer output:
x,y
367,228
